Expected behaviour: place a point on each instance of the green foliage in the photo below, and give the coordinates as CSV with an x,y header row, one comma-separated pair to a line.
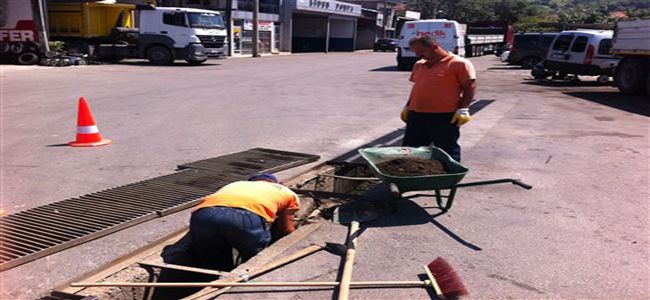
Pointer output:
x,y
525,13
57,46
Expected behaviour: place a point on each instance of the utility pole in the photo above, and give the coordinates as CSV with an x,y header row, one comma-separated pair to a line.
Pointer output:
x,y
256,29
228,13
385,10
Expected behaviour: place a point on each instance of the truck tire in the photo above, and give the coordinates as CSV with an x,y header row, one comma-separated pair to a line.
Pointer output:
x,y
529,62
27,58
159,55
630,76
4,47
195,62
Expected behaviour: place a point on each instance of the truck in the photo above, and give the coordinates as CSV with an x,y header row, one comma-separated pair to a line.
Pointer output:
x,y
487,37
631,42
21,31
113,31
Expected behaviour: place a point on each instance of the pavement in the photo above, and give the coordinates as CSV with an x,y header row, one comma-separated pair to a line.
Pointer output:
x,y
580,233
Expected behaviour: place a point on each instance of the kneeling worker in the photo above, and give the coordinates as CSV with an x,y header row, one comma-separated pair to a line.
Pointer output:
x,y
244,215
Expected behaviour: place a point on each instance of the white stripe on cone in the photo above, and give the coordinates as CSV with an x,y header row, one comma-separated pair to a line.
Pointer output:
x,y
87,129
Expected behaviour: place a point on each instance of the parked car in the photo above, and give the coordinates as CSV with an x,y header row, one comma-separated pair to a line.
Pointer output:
x,y
528,49
582,52
386,45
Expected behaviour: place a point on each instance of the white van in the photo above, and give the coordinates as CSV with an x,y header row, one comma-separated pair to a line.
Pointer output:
x,y
450,34
582,52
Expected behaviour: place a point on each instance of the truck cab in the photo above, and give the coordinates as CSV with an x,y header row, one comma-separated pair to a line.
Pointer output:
x,y
167,33
113,31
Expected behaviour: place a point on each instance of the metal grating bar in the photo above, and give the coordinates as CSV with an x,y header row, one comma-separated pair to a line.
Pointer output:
x,y
257,159
40,231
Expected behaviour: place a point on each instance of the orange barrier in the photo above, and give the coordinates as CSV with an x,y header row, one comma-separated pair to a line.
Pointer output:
x,y
87,132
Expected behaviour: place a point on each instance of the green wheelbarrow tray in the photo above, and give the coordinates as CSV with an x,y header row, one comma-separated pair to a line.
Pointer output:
x,y
455,171
402,184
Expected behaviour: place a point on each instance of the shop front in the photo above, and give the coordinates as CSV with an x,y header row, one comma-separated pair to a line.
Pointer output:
x,y
242,33
319,26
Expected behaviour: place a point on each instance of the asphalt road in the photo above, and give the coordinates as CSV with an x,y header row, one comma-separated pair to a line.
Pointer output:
x,y
582,232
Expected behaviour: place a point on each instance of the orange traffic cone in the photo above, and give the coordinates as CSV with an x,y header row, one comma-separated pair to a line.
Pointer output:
x,y
87,131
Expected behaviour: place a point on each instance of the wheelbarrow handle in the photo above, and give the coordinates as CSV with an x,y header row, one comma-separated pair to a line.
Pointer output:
x,y
521,184
496,181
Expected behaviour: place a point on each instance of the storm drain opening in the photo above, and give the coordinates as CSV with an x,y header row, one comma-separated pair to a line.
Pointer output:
x,y
44,230
321,192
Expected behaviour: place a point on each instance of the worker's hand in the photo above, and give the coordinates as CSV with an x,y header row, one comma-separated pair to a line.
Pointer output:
x,y
404,115
461,116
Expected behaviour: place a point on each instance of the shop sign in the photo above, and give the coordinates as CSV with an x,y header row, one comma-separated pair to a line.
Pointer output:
x,y
262,25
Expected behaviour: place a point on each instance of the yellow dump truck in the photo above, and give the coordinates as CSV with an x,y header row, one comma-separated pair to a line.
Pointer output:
x,y
110,31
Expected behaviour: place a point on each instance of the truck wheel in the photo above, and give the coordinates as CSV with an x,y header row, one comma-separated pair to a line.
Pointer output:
x,y
630,75
4,47
529,62
195,62
159,55
27,58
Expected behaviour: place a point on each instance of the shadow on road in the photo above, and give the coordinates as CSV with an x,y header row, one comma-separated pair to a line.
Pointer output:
x,y
175,64
386,69
633,104
564,83
506,68
410,213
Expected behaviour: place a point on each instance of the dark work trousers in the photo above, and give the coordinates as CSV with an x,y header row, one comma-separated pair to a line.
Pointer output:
x,y
427,129
217,230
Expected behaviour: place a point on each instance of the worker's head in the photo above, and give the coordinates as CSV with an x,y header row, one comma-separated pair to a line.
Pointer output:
x,y
263,176
426,47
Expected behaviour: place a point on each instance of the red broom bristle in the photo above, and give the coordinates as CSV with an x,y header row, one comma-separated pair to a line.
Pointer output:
x,y
447,279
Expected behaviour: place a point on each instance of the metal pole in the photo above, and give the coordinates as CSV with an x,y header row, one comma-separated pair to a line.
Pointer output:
x,y
256,30
385,18
229,23
43,27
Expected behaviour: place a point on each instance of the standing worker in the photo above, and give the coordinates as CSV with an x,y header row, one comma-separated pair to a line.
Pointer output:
x,y
240,215
444,85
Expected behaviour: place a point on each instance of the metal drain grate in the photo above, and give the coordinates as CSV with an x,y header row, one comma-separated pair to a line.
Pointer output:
x,y
43,230
258,158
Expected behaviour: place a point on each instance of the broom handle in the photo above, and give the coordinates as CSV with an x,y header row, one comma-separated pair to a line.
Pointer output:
x,y
346,278
254,284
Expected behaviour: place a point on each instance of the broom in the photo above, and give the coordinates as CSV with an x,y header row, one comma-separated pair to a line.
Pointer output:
x,y
444,279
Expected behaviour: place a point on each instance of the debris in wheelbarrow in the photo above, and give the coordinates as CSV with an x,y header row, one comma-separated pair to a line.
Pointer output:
x,y
449,181
412,166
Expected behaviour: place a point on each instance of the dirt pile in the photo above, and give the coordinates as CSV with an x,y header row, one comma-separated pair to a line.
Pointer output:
x,y
412,166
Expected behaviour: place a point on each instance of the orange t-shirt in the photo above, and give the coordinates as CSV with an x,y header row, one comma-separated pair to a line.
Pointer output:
x,y
438,89
263,198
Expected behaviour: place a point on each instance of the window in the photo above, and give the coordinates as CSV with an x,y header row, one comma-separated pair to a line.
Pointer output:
x,y
174,19
547,40
605,46
580,44
563,42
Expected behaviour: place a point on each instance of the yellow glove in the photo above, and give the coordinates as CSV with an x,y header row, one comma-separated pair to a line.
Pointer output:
x,y
461,116
404,115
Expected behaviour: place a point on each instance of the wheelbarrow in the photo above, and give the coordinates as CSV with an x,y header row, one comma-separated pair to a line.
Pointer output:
x,y
402,184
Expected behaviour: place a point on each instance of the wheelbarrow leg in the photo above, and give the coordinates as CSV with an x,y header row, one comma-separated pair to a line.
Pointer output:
x,y
445,206
394,197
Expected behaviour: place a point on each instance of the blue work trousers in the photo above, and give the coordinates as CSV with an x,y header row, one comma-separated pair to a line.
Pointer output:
x,y
433,129
217,230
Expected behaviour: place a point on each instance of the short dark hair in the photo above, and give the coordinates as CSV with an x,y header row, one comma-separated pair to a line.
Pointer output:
x,y
425,40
